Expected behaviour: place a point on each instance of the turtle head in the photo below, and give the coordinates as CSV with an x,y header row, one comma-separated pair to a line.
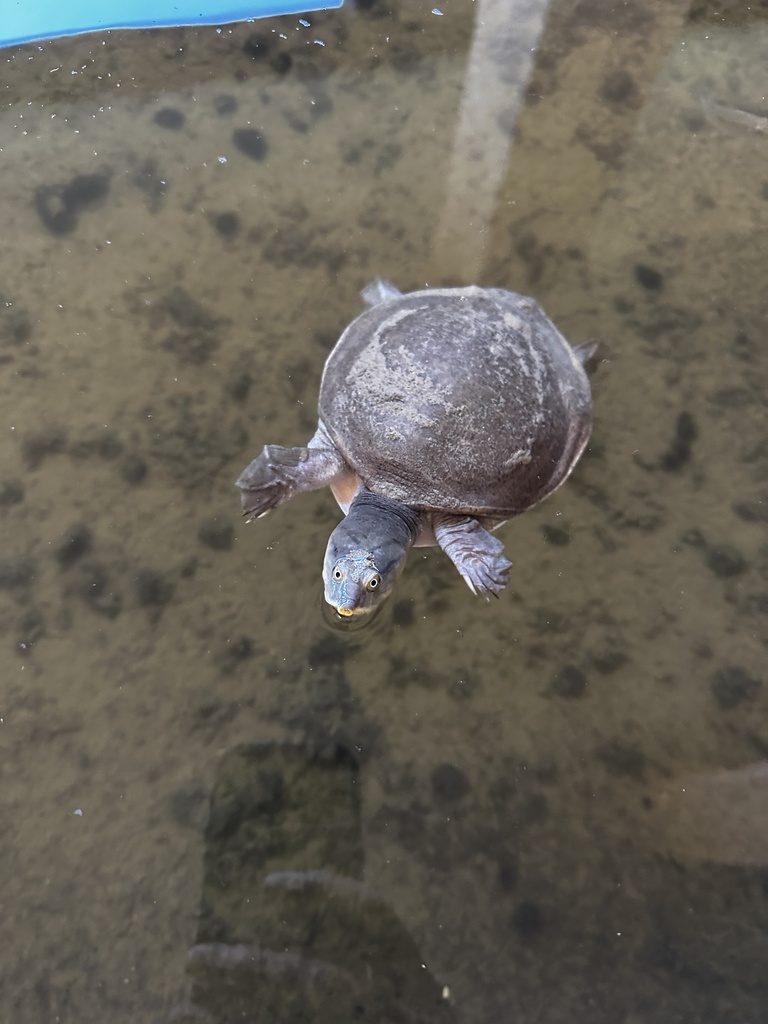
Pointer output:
x,y
357,581
367,552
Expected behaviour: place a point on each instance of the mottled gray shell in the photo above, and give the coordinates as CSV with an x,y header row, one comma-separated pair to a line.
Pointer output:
x,y
466,400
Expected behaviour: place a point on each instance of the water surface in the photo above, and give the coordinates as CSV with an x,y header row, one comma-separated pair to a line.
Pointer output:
x,y
546,809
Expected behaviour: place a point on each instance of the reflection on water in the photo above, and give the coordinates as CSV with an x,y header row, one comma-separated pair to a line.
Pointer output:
x,y
717,815
559,795
279,940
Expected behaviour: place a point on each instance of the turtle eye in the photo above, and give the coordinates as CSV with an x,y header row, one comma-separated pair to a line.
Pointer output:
x,y
337,573
372,582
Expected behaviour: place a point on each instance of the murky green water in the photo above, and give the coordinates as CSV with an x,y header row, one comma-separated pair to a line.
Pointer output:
x,y
548,809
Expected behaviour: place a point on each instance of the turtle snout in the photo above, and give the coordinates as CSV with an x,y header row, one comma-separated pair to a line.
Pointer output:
x,y
344,593
349,604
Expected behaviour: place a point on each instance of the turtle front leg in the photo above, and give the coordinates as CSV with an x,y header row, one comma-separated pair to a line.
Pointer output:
x,y
278,474
476,553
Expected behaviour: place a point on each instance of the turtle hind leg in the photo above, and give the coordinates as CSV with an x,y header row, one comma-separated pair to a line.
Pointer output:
x,y
379,291
278,473
476,553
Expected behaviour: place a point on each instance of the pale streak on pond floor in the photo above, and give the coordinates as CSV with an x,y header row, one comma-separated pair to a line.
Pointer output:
x,y
547,882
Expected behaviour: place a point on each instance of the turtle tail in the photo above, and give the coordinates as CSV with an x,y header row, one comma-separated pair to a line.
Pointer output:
x,y
588,356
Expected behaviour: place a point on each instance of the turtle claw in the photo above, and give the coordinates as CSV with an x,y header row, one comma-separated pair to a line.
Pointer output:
x,y
469,583
252,516
476,553
269,480
487,576
278,473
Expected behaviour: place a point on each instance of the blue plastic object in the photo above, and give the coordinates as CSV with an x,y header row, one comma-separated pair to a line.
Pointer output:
x,y
24,21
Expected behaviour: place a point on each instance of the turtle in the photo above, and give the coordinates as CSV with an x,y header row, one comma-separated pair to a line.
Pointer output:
x,y
443,413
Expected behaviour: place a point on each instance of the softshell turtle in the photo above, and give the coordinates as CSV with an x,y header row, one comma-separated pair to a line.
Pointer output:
x,y
442,414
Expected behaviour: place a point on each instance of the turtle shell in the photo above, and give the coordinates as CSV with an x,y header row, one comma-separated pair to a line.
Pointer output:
x,y
464,400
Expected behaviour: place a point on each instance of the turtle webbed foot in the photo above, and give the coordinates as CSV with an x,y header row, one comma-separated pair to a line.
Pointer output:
x,y
278,473
268,480
476,553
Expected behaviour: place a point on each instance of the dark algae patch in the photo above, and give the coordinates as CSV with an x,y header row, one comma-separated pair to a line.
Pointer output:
x,y
251,143
59,206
